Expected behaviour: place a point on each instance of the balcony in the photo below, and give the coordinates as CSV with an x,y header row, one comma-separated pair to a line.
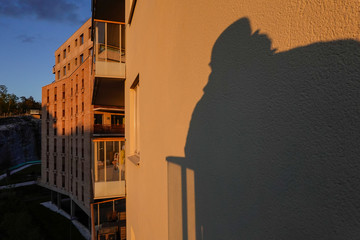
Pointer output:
x,y
109,168
109,45
109,129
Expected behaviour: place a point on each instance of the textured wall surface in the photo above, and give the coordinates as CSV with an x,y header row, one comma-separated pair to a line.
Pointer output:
x,y
249,120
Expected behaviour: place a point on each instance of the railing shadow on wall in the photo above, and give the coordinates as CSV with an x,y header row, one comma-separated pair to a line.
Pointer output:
x,y
273,147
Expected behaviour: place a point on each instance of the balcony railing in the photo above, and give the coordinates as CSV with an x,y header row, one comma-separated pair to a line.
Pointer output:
x,y
109,129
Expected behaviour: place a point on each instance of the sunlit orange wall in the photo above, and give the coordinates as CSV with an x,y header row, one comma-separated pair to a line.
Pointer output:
x,y
169,44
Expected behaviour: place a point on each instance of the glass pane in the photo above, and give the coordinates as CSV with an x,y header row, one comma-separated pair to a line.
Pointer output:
x,y
117,119
122,161
98,118
100,161
113,42
100,41
112,161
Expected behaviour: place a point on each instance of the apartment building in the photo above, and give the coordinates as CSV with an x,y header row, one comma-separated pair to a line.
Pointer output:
x,y
83,144
237,111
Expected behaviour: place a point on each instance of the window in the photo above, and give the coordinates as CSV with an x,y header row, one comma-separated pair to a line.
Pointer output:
x,y
55,143
82,106
89,32
47,96
135,116
82,148
71,147
81,58
47,176
58,74
63,181
47,129
55,95
64,55
63,164
82,130
47,161
76,88
47,145
55,178
76,168
82,193
69,48
98,118
68,66
82,171
63,145
76,147
75,42
64,71
75,61
76,188
54,162
55,131
63,92
81,39
82,83
58,58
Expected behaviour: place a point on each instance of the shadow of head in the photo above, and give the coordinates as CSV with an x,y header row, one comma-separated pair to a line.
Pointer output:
x,y
274,141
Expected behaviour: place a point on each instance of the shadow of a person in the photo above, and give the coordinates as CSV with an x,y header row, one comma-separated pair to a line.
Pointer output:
x,y
275,140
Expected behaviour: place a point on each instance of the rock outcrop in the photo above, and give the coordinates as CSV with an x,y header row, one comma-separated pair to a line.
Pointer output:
x,y
20,140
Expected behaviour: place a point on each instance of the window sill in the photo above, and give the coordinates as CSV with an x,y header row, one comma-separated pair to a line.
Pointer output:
x,y
135,159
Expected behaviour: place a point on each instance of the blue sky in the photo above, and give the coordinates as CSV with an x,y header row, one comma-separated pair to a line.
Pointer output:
x,y
31,31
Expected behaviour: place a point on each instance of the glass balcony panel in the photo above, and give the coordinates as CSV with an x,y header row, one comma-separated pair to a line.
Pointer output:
x,y
110,50
109,164
100,162
112,161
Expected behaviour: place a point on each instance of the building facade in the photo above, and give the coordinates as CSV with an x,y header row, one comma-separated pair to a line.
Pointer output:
x,y
83,147
238,111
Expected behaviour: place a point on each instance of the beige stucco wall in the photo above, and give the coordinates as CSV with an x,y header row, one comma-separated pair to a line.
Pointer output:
x,y
170,44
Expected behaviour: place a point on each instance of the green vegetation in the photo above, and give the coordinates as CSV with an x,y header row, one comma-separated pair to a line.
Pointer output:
x,y
11,105
28,174
22,216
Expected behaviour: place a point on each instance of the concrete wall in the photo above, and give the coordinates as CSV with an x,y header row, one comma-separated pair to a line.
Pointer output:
x,y
249,120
